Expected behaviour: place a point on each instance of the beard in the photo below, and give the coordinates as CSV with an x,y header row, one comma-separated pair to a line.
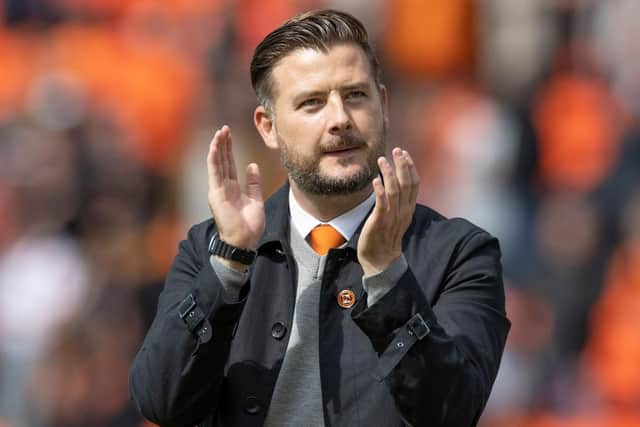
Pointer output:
x,y
305,171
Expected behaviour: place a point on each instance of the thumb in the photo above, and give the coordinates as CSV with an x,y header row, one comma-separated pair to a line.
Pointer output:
x,y
254,187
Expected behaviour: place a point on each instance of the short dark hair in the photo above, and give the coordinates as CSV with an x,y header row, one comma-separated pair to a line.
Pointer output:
x,y
318,29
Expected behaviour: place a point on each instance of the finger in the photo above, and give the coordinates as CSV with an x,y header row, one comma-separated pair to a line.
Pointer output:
x,y
380,208
254,186
390,184
415,178
404,175
224,151
213,162
233,173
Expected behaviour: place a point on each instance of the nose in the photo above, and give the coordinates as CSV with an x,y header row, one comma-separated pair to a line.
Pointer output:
x,y
339,119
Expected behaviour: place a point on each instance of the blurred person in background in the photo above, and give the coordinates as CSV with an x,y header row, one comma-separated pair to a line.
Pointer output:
x,y
338,300
43,272
69,269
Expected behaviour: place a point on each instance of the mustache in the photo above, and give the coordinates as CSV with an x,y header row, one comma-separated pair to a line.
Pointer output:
x,y
344,142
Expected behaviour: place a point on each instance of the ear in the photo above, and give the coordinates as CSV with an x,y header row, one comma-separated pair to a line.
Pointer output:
x,y
264,123
385,105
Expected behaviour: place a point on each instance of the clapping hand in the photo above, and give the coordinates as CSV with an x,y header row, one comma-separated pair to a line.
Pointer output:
x,y
380,241
239,215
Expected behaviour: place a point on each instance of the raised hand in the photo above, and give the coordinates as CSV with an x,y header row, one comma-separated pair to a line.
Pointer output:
x,y
380,241
239,215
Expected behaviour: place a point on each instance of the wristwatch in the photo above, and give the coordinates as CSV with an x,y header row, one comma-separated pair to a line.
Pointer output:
x,y
225,250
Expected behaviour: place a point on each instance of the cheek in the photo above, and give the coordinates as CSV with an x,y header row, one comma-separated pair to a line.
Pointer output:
x,y
368,119
304,135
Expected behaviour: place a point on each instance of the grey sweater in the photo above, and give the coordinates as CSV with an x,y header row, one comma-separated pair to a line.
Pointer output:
x,y
297,397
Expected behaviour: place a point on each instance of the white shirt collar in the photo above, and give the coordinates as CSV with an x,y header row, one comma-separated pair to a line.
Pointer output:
x,y
346,224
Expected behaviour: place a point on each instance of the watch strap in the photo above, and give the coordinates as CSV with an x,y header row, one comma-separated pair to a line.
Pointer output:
x,y
219,247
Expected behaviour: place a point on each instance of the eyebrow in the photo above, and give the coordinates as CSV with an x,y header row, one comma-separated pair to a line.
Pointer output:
x,y
314,93
356,86
309,94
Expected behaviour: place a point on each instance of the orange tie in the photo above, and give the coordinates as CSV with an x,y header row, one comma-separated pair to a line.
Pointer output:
x,y
324,237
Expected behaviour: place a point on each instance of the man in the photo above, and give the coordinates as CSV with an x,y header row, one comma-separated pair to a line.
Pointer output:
x,y
339,301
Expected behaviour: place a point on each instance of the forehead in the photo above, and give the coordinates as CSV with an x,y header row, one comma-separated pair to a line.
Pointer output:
x,y
307,69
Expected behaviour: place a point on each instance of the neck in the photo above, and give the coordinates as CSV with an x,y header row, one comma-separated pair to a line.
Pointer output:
x,y
327,207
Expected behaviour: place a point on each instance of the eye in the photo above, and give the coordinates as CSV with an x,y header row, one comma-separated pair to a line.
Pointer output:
x,y
311,102
356,94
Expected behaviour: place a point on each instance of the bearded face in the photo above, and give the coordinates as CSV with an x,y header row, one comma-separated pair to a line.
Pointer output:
x,y
311,177
328,119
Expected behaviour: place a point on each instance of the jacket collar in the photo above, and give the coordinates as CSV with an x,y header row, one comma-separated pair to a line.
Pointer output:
x,y
277,217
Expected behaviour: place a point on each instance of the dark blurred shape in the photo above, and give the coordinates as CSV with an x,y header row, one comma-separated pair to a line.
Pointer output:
x,y
18,12
571,250
39,165
522,375
87,363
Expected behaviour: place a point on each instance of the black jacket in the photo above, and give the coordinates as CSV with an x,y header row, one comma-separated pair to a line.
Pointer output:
x,y
211,363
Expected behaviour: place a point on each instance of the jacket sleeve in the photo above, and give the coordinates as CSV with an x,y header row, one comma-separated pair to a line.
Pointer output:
x,y
440,361
176,376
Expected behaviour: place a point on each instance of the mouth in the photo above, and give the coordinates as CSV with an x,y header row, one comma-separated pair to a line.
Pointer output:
x,y
343,150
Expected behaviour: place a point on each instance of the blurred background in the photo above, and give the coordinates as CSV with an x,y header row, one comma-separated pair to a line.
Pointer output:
x,y
521,114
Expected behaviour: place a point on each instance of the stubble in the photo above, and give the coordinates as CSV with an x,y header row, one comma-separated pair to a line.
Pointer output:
x,y
306,173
